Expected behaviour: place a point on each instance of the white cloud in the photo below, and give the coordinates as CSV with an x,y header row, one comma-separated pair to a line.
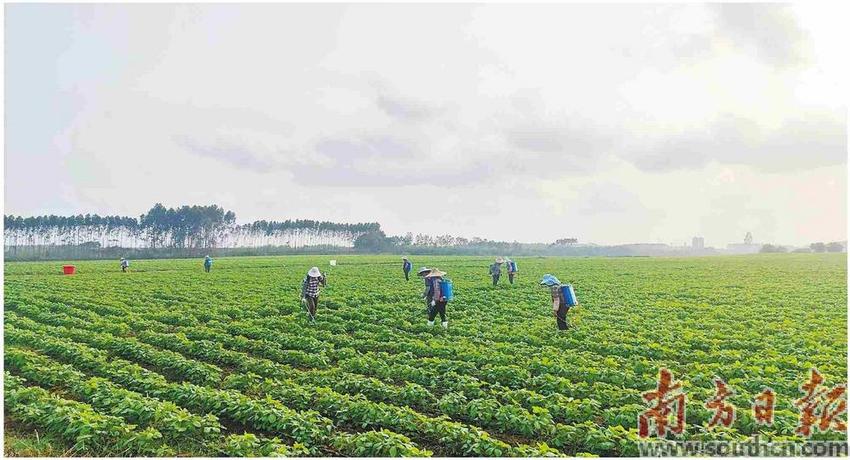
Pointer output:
x,y
640,119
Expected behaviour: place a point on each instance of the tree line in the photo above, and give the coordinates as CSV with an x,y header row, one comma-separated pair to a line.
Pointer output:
x,y
835,246
182,230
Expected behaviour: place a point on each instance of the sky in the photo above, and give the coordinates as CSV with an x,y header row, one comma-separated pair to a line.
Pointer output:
x,y
607,123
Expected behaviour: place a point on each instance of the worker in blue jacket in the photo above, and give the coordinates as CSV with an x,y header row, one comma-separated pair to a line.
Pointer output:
x,y
496,270
406,267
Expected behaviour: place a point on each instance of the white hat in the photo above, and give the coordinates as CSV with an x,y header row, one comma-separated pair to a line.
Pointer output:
x,y
435,273
314,272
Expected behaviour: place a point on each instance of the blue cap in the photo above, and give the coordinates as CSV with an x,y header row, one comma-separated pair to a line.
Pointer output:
x,y
549,280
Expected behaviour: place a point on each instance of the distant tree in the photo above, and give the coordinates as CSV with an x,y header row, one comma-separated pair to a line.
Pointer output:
x,y
770,248
818,247
802,250
373,241
835,246
565,241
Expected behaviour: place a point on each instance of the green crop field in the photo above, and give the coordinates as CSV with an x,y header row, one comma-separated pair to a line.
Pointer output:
x,y
169,360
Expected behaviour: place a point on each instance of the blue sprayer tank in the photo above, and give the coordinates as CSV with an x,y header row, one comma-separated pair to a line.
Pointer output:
x,y
446,289
513,266
569,295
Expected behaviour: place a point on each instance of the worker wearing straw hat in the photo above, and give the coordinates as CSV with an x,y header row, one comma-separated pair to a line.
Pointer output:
x,y
207,263
435,298
310,291
559,303
406,266
496,270
125,264
511,267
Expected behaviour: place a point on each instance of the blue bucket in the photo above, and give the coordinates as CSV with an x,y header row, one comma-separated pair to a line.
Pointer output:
x,y
569,295
446,289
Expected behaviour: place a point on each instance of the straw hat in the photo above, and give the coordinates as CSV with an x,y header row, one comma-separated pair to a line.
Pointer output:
x,y
423,271
404,258
435,272
500,260
314,272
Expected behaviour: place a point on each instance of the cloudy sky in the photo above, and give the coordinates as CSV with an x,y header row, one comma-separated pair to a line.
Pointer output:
x,y
612,124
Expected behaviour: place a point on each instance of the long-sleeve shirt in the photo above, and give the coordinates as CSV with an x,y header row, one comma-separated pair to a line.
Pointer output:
x,y
496,269
310,286
557,297
433,292
407,266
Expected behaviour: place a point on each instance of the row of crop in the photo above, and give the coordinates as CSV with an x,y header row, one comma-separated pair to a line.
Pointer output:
x,y
623,416
204,348
455,437
171,363
510,418
238,354
506,417
308,428
649,351
486,411
201,435
264,414
89,432
510,376
504,414
175,423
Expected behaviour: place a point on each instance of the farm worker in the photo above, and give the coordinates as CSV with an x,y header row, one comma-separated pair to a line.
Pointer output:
x,y
496,270
125,264
423,272
436,299
510,265
207,263
559,303
310,291
406,267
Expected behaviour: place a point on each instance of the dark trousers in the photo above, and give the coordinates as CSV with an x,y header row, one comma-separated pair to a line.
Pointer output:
x,y
511,278
123,268
439,307
312,303
407,275
496,278
561,317
207,268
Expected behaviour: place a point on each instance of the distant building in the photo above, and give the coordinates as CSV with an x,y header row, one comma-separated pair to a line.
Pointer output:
x,y
698,243
748,238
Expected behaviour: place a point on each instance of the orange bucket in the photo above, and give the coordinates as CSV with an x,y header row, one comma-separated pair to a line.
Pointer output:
x,y
69,269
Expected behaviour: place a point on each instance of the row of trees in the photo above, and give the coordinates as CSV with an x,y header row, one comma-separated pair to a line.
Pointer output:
x,y
179,229
835,246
